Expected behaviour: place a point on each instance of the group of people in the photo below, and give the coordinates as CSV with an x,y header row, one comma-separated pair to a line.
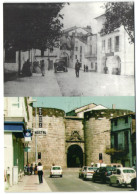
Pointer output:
x,y
37,170
85,68
28,68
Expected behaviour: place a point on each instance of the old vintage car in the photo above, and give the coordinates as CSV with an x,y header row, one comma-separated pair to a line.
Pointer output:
x,y
122,176
56,171
133,183
60,65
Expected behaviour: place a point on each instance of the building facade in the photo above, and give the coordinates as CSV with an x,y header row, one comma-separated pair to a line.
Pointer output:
x,y
74,139
115,54
17,120
123,140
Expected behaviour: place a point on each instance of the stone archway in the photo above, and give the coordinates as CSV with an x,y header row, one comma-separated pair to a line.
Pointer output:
x,y
74,156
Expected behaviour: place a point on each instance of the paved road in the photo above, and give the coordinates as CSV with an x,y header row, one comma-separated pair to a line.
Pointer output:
x,y
95,84
67,84
71,183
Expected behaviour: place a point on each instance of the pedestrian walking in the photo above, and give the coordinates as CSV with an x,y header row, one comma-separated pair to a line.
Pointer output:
x,y
42,67
40,172
77,68
84,67
27,68
31,169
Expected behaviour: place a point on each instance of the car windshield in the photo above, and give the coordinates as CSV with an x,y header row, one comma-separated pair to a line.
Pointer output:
x,y
92,168
128,171
56,168
111,168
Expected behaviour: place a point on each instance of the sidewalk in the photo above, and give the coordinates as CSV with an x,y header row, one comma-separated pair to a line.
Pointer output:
x,y
29,184
35,85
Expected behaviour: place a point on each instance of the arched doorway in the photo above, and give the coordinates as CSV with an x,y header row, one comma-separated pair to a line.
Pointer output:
x,y
74,156
103,66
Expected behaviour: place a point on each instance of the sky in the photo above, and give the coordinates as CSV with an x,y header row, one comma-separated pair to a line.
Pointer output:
x,y
69,103
81,14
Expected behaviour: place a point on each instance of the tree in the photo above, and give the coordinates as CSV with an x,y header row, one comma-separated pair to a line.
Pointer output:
x,y
117,14
32,25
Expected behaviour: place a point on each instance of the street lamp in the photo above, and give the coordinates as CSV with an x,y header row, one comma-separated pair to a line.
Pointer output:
x,y
35,127
36,135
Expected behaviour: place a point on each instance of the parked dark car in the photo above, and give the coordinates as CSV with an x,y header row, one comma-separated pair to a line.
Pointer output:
x,y
60,65
133,183
103,173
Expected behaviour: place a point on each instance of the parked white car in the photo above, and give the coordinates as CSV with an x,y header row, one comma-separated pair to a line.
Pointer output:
x,y
56,171
88,173
122,176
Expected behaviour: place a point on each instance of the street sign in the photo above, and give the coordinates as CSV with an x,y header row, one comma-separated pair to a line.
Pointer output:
x,y
40,131
27,139
27,149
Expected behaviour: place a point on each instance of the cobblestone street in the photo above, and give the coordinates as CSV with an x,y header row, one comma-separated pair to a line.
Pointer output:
x,y
67,84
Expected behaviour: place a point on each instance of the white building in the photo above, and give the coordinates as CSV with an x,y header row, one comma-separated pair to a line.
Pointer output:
x,y
17,121
114,52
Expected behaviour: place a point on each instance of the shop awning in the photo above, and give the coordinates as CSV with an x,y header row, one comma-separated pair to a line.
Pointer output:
x,y
14,126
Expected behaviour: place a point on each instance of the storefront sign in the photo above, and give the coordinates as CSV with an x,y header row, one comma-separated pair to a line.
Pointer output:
x,y
40,131
27,149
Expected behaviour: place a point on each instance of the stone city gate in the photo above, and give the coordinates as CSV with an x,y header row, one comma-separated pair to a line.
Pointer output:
x,y
75,154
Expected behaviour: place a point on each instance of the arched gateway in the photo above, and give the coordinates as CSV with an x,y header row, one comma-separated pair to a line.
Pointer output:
x,y
74,156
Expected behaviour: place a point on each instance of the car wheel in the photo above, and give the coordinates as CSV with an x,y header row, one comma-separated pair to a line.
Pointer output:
x,y
93,180
50,176
110,184
60,175
119,185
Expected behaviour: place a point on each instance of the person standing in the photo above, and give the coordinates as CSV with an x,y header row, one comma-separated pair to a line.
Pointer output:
x,y
77,68
40,172
84,67
43,68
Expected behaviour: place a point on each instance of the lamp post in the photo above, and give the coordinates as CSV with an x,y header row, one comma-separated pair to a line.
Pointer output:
x,y
36,135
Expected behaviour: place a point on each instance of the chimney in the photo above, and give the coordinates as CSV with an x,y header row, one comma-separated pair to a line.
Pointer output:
x,y
113,106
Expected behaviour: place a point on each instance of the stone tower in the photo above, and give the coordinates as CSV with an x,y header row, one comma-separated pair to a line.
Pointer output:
x,y
52,145
97,133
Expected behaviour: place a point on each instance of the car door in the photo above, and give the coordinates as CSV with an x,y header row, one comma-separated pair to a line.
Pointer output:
x,y
116,176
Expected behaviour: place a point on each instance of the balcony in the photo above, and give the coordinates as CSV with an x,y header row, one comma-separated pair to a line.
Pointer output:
x,y
90,55
119,150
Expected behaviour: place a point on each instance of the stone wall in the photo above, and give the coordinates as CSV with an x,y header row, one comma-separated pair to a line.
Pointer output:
x,y
97,138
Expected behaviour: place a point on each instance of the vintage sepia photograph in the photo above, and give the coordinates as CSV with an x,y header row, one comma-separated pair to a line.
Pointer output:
x,y
69,49
69,144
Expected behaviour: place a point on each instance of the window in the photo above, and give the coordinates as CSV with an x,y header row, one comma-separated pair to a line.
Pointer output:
x,y
126,138
80,49
76,48
109,45
117,43
126,119
80,58
10,55
51,50
115,122
75,56
116,141
118,171
103,45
